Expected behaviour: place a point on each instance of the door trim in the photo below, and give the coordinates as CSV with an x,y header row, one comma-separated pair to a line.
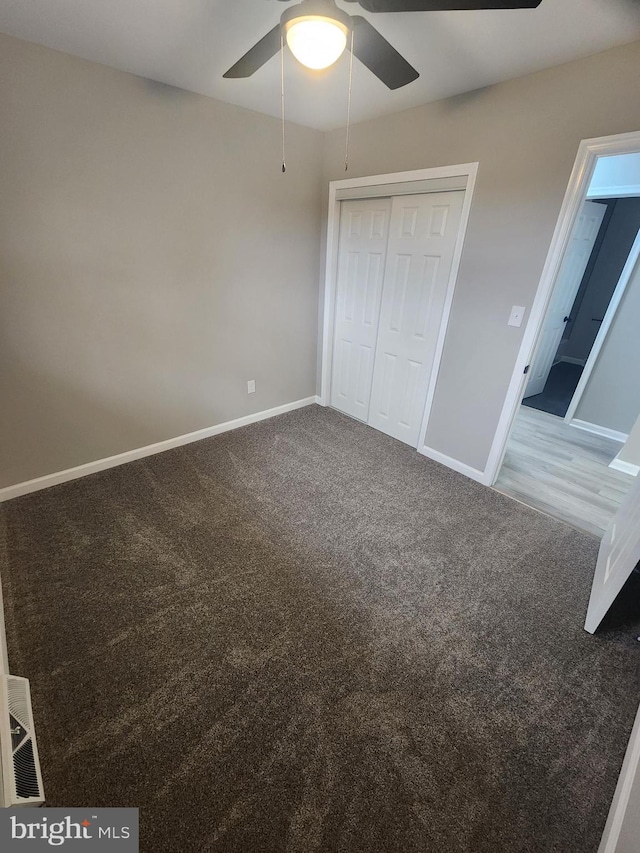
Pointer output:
x,y
615,192
588,152
603,331
621,799
468,170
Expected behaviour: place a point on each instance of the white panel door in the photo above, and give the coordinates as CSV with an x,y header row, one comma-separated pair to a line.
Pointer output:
x,y
422,238
364,226
565,290
618,556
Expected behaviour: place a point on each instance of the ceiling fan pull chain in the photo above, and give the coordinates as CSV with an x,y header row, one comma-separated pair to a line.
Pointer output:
x,y
346,149
284,165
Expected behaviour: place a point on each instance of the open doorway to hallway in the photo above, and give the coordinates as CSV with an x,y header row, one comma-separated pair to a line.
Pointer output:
x,y
575,443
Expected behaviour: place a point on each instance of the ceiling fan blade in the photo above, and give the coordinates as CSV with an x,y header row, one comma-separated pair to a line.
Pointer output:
x,y
444,5
256,57
374,51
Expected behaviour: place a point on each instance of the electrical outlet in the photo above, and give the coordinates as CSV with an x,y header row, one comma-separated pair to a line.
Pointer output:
x,y
251,386
517,313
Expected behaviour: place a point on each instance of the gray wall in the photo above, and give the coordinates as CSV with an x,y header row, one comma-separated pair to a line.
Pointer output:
x,y
525,134
152,259
631,450
621,232
612,396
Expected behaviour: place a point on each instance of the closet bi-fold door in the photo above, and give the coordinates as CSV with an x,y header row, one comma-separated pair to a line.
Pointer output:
x,y
364,228
422,238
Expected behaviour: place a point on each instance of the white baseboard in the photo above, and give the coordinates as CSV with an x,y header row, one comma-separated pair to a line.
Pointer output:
x,y
599,430
569,359
625,467
456,465
45,482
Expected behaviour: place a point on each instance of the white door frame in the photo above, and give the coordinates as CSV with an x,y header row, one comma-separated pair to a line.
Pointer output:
x,y
614,192
610,313
621,807
468,170
588,152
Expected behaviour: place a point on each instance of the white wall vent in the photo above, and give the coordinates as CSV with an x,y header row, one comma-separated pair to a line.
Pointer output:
x,y
21,777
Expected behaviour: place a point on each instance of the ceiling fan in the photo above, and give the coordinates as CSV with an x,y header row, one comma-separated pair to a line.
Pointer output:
x,y
317,33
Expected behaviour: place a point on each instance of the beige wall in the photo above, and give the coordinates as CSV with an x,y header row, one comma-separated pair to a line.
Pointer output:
x,y
525,134
152,259
612,396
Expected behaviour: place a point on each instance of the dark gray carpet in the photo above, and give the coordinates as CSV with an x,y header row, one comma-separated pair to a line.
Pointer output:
x,y
558,390
303,636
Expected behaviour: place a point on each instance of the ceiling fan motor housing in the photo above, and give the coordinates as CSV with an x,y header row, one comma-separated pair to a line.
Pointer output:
x,y
315,9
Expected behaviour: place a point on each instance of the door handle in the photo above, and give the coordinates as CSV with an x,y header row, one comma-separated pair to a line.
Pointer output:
x,y
567,320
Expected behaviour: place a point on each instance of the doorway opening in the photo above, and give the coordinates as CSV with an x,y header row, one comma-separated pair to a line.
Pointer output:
x,y
574,445
601,243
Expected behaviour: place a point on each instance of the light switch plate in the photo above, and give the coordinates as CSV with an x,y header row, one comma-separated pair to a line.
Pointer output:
x,y
251,386
517,315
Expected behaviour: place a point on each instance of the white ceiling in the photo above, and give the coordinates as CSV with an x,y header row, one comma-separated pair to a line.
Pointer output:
x,y
191,43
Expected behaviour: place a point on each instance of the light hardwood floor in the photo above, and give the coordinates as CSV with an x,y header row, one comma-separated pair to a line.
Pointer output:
x,y
562,471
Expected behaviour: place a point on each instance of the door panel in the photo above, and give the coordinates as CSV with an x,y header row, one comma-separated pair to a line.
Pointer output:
x,y
565,290
618,556
364,228
422,237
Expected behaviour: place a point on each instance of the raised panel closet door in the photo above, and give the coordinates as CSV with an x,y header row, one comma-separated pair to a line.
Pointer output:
x,y
422,236
364,226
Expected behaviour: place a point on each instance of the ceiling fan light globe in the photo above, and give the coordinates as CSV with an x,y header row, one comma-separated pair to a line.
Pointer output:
x,y
315,41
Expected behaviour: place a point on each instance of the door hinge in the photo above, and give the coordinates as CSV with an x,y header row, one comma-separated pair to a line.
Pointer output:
x,y
526,370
